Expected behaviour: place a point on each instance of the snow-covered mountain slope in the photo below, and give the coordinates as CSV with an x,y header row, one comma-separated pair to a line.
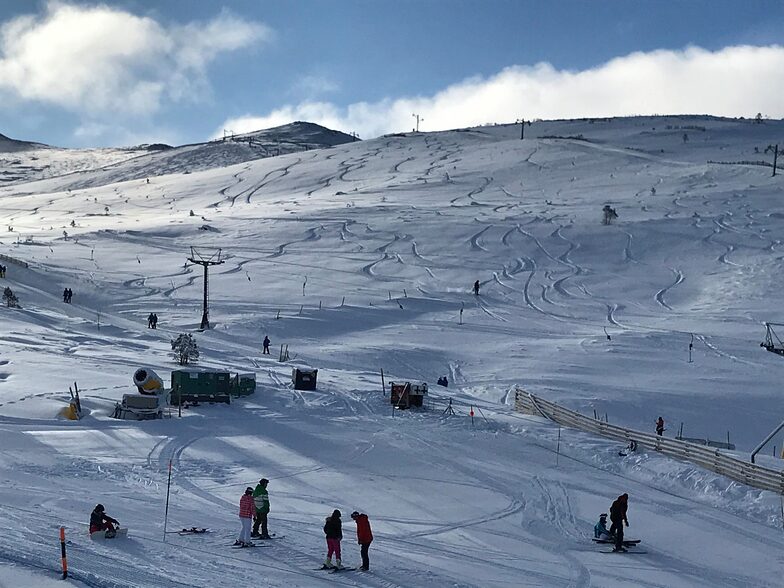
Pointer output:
x,y
98,167
361,257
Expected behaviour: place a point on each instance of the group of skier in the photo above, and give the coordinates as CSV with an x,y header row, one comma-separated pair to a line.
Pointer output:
x,y
67,295
152,321
255,506
618,518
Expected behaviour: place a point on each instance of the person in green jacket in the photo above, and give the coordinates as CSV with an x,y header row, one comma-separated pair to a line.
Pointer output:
x,y
261,499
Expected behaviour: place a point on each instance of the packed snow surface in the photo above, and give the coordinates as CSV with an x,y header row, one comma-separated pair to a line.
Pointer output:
x,y
361,257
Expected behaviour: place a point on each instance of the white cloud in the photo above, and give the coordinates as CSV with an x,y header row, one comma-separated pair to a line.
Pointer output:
x,y
99,59
735,81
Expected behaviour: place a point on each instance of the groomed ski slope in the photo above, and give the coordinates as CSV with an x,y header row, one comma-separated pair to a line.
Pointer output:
x,y
368,252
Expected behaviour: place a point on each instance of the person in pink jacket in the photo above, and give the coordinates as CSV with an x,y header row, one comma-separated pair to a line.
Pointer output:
x,y
247,510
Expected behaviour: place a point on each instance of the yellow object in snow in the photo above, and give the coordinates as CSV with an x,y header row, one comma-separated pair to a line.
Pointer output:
x,y
70,412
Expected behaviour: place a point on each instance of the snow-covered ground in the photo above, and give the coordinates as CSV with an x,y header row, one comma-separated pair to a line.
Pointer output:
x,y
367,251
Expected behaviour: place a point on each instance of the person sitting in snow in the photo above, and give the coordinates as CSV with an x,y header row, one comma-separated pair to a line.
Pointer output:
x,y
600,529
100,521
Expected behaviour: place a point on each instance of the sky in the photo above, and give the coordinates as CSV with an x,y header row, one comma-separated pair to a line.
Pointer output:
x,y
88,74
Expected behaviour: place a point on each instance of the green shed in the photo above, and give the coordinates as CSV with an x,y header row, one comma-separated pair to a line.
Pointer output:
x,y
200,385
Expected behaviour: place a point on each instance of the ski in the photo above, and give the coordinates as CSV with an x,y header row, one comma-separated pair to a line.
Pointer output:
x,y
624,552
246,546
335,570
193,531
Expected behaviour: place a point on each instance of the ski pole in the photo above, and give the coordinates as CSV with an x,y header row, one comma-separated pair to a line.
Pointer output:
x,y
166,515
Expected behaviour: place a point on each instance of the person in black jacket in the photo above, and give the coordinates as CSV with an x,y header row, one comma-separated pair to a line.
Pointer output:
x,y
333,529
100,521
618,518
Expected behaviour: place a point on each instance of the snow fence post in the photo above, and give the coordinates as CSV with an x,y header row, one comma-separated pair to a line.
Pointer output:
x,y
63,558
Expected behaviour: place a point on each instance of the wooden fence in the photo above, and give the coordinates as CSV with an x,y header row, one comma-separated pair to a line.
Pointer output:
x,y
706,457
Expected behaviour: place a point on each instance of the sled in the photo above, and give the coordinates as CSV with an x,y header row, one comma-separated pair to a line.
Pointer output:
x,y
119,533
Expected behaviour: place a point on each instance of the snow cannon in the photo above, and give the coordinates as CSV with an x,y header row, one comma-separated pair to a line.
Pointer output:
x,y
147,381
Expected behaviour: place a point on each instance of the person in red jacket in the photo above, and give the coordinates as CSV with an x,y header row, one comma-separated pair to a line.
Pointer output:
x,y
364,537
100,521
247,510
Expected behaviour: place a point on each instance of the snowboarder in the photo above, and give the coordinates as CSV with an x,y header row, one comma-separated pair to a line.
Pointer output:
x,y
333,529
618,518
660,426
261,502
154,320
600,529
476,288
100,521
247,508
68,295
364,537
150,320
65,295
266,344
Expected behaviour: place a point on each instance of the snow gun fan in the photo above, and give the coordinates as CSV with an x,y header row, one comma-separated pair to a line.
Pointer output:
x,y
152,397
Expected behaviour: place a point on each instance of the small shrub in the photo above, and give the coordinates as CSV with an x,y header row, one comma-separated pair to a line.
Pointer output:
x,y
184,349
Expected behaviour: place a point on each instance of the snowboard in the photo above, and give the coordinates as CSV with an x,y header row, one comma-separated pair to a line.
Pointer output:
x,y
626,542
119,533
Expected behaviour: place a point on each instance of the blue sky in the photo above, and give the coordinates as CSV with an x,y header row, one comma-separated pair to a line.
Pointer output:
x,y
86,74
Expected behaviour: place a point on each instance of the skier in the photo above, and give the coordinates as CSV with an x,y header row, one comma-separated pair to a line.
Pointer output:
x,y
600,529
266,344
618,518
333,529
100,521
154,320
660,426
364,537
476,288
150,320
70,295
261,502
65,295
247,508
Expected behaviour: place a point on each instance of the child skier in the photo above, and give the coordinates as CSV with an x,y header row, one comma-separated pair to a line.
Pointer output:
x,y
600,529
247,509
333,529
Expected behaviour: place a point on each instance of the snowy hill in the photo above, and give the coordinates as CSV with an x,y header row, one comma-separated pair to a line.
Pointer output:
x,y
361,257
98,167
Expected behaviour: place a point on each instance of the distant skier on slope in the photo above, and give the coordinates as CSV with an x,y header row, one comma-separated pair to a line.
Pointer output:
x,y
265,344
100,521
660,426
476,288
333,529
618,518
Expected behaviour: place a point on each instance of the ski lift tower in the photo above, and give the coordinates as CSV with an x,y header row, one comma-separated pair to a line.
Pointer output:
x,y
205,257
